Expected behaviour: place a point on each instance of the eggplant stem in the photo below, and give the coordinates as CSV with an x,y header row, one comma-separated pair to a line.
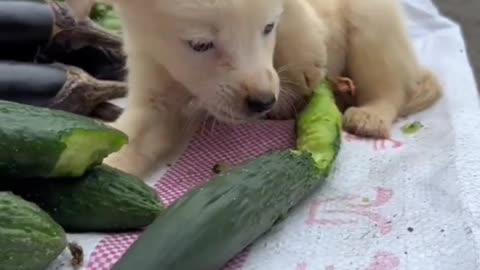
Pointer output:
x,y
85,31
82,93
107,112
71,35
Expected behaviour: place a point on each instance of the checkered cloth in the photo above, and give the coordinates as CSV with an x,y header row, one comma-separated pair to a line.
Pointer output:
x,y
215,144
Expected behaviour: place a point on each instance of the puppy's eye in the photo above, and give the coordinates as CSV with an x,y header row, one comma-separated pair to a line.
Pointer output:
x,y
268,28
200,46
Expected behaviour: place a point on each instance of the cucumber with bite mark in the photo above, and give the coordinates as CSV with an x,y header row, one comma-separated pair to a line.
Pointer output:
x,y
39,142
213,223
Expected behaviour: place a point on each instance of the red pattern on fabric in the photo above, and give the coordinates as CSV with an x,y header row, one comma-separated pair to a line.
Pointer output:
x,y
223,144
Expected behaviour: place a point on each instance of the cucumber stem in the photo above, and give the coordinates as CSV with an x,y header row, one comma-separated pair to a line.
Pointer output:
x,y
77,255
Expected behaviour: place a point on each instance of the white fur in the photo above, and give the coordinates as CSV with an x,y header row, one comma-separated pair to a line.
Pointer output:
x,y
172,87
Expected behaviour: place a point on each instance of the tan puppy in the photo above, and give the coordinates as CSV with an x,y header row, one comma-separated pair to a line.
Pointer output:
x,y
239,60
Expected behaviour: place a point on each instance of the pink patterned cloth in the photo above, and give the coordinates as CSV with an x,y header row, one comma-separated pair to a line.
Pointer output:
x,y
222,144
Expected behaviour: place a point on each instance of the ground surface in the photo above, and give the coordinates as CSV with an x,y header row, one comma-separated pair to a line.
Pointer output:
x,y
467,14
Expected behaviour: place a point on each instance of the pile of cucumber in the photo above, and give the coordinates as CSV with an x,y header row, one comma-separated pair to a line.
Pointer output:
x,y
52,181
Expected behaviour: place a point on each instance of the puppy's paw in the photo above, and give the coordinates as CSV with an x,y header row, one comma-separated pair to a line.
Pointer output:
x,y
307,74
130,161
366,123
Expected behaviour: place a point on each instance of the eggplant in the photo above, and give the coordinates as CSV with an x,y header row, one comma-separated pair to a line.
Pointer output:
x,y
48,32
61,87
25,23
24,26
32,84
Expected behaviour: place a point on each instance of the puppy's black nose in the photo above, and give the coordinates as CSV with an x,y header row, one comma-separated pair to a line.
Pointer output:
x,y
259,104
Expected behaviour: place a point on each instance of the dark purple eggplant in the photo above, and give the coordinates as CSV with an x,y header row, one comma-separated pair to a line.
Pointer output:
x,y
60,87
24,26
25,23
32,84
48,32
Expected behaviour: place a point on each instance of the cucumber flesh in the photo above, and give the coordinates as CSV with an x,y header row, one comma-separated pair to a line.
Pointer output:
x,y
39,142
318,127
74,159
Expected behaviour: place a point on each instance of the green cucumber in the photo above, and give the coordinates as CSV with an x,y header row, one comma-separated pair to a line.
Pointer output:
x,y
29,238
103,200
318,127
217,221
213,223
39,142
106,16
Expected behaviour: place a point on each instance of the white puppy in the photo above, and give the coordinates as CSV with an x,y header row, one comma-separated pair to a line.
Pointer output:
x,y
239,60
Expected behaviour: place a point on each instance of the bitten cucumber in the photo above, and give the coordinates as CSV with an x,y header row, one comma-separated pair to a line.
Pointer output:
x,y
213,223
39,142
29,238
103,200
319,126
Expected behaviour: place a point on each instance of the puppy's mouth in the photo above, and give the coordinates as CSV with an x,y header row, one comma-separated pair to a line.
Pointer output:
x,y
235,117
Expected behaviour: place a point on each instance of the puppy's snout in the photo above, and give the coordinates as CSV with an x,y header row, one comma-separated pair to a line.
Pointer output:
x,y
260,103
260,90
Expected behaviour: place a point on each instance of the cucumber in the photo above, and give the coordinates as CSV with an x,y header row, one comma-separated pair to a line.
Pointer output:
x,y
217,221
213,223
103,200
39,142
105,16
318,127
29,238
